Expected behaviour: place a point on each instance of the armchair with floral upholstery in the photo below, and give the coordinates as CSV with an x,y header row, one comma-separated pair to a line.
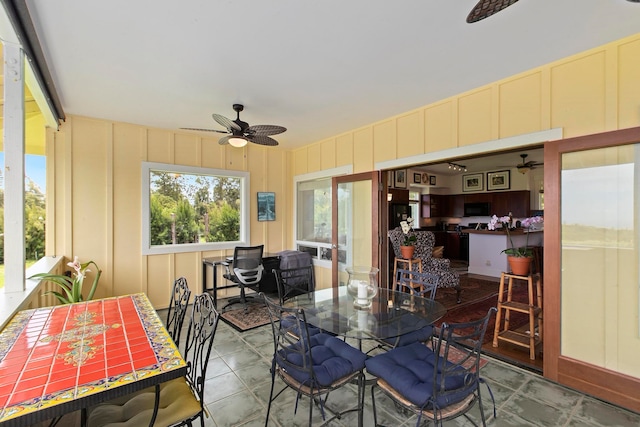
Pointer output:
x,y
424,250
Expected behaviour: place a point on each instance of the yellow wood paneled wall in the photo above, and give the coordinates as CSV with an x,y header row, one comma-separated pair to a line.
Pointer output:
x,y
595,91
94,199
94,178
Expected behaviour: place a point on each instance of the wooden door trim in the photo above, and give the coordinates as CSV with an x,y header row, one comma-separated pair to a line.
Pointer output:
x,y
605,384
374,176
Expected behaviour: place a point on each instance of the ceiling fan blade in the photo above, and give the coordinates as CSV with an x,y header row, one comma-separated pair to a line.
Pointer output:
x,y
229,124
206,130
224,140
486,8
266,129
262,140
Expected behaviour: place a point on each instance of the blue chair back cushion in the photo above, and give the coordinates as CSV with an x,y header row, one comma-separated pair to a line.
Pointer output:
x,y
410,371
331,358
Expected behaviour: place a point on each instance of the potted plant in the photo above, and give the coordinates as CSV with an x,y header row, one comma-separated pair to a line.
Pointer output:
x,y
71,284
519,258
407,247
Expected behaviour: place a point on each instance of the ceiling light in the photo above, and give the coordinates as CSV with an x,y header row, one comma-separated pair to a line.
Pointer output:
x,y
237,141
524,169
457,167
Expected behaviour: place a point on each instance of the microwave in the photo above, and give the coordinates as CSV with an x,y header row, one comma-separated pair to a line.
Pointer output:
x,y
477,209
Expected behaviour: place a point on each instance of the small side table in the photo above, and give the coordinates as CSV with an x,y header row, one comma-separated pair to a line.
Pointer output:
x,y
404,261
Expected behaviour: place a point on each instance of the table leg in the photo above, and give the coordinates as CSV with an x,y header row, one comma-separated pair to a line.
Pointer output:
x,y
155,406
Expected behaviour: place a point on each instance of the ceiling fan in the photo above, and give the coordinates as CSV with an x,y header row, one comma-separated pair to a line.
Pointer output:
x,y
239,132
486,8
525,166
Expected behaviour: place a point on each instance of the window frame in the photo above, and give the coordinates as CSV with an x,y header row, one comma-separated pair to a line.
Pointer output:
x,y
325,174
245,209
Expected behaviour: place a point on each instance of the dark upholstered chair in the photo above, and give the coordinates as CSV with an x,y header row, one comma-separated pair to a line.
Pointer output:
x,y
439,384
246,271
294,281
311,364
178,308
424,250
181,400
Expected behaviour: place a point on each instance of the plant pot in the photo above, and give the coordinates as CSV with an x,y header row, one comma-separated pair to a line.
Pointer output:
x,y
519,265
407,251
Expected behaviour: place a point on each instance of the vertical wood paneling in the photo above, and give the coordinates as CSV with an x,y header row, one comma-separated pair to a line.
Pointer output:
x,y
213,154
159,146
186,150
362,152
313,158
384,141
300,161
344,150
410,134
438,127
328,154
629,84
90,213
520,105
474,117
127,157
578,95
160,270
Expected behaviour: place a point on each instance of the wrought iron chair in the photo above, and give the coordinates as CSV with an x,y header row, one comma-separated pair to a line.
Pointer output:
x,y
247,272
181,401
294,281
440,384
423,285
312,365
178,308
441,267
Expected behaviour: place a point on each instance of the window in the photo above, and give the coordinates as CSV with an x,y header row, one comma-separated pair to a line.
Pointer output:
x,y
313,213
187,209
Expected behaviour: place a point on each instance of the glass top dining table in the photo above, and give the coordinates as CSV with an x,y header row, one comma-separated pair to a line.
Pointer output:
x,y
391,314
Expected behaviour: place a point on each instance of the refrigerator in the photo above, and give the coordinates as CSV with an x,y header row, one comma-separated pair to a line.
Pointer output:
x,y
397,213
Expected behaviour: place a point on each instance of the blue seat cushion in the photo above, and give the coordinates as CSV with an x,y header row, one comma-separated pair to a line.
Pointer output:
x,y
410,371
421,335
331,358
289,322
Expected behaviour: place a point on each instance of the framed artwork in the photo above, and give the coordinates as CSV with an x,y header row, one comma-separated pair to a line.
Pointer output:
x,y
432,180
425,178
417,179
266,206
472,182
500,180
400,180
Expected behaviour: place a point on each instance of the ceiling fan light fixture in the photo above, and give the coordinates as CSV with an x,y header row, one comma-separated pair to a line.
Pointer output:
x,y
237,141
524,169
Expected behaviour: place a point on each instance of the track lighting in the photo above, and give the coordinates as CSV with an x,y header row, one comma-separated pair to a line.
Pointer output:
x,y
457,167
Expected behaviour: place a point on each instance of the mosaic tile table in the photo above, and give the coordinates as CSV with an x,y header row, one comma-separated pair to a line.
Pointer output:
x,y
56,360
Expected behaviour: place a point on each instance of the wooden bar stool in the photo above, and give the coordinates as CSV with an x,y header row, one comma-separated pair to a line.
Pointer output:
x,y
404,261
532,307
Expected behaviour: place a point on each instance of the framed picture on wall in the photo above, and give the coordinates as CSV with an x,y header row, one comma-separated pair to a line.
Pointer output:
x,y
400,178
266,206
473,182
417,179
432,180
500,180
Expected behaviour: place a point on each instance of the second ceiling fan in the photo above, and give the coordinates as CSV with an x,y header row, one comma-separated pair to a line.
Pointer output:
x,y
486,8
239,132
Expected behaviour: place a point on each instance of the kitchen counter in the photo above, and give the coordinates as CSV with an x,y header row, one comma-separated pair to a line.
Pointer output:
x,y
486,246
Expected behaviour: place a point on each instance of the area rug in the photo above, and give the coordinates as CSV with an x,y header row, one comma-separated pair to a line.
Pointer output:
x,y
477,297
256,316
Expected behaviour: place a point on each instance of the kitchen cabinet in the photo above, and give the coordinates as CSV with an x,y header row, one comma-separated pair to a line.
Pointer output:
x,y
431,205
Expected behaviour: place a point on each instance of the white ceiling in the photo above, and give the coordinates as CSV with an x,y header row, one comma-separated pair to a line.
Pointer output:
x,y
319,68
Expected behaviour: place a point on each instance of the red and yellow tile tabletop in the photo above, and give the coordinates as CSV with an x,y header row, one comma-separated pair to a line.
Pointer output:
x,y
60,359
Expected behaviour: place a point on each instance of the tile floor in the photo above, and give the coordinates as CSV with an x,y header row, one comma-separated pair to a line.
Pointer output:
x,y
238,384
